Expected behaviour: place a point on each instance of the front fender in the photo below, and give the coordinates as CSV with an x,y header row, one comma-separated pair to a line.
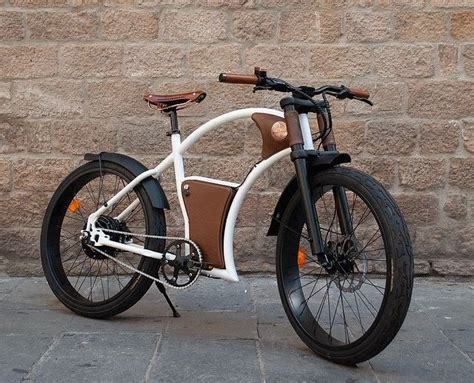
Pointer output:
x,y
317,161
151,185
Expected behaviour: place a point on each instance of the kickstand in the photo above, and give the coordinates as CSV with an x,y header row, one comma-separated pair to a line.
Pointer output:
x,y
162,289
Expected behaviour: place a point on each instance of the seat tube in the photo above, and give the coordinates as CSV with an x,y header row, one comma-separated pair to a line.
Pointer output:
x,y
299,158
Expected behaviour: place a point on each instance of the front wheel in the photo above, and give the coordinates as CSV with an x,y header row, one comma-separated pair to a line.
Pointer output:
x,y
351,311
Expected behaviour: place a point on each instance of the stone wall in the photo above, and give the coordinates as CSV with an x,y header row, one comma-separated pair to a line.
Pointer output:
x,y
73,73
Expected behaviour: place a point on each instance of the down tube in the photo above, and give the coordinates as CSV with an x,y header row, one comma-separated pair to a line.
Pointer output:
x,y
230,273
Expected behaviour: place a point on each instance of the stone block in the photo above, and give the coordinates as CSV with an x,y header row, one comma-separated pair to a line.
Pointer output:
x,y
49,25
410,61
253,25
98,60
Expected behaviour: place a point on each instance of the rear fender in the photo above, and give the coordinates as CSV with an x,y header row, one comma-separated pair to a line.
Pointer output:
x,y
151,185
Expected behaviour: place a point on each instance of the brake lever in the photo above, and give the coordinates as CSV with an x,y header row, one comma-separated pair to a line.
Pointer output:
x,y
261,87
364,100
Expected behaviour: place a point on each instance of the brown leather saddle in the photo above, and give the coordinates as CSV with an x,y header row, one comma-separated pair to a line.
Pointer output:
x,y
174,101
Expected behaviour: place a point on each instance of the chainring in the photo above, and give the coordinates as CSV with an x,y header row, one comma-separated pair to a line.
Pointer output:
x,y
185,268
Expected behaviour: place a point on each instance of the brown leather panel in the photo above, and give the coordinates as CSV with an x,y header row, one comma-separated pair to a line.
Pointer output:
x,y
293,125
270,145
173,99
359,92
207,205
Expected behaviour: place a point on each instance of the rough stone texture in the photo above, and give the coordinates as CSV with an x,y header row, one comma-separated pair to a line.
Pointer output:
x,y
346,61
35,61
198,26
439,137
461,25
448,59
253,25
129,24
468,56
420,26
468,136
206,61
73,74
455,206
78,61
12,26
461,173
153,61
368,27
390,137
423,174
298,26
404,61
47,25
434,99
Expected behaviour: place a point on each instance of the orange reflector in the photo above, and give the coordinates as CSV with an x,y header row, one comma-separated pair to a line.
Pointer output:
x,y
74,205
301,257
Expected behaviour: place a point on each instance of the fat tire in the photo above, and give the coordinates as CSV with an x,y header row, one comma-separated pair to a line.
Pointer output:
x,y
399,250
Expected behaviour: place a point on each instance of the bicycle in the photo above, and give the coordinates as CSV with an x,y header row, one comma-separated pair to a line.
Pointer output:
x,y
344,262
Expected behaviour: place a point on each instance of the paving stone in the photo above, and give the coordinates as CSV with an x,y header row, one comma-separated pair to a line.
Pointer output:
x,y
214,325
424,360
19,353
97,357
286,360
206,361
224,334
463,339
211,295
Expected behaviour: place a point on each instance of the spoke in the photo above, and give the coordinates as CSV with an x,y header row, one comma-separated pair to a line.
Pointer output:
x,y
350,306
80,263
360,319
85,277
71,257
361,296
321,305
346,332
333,319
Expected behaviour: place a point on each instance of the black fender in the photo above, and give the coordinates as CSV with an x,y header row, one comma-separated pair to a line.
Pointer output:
x,y
317,162
152,185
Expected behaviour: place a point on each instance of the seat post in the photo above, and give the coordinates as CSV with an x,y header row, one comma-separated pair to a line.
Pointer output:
x,y
174,122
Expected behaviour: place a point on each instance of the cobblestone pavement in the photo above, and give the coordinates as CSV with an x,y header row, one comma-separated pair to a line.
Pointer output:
x,y
227,332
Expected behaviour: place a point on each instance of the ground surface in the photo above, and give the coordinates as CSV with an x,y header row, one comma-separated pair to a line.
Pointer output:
x,y
227,332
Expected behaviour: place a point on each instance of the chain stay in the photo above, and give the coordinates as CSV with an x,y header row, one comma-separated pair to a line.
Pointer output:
x,y
157,280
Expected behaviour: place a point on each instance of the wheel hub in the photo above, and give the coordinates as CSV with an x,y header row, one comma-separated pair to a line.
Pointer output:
x,y
108,223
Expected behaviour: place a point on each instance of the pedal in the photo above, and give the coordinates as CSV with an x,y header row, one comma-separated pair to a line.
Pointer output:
x,y
162,289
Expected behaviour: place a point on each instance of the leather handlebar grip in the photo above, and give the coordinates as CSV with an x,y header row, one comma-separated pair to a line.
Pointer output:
x,y
359,92
238,78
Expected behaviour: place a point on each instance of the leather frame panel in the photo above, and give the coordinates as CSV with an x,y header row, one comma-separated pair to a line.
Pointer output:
x,y
207,205
270,145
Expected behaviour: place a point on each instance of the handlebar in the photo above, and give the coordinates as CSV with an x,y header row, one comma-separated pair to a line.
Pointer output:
x,y
262,82
238,78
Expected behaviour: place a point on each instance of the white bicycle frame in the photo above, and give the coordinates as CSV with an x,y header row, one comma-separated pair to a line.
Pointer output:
x,y
179,148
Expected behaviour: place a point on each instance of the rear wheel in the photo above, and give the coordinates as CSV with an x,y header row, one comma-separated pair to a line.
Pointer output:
x,y
86,281
351,311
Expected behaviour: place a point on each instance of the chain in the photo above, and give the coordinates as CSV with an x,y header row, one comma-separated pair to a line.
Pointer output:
x,y
157,280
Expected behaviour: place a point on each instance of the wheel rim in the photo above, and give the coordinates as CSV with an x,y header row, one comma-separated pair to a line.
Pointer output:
x,y
91,279
338,308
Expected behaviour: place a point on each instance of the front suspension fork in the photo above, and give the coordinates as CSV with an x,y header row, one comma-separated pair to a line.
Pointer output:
x,y
299,158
